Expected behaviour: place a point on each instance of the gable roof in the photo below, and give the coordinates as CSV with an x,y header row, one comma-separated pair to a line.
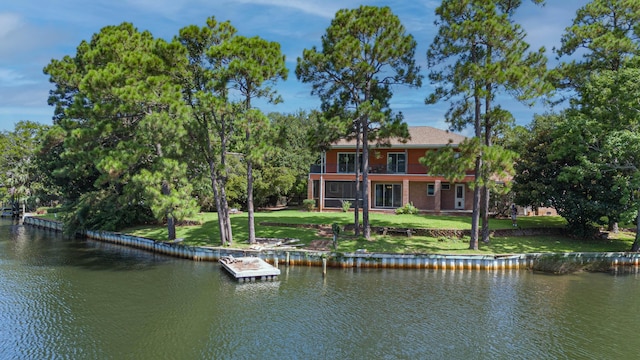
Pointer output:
x,y
420,137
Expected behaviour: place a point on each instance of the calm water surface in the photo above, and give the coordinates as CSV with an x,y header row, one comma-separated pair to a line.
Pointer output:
x,y
77,299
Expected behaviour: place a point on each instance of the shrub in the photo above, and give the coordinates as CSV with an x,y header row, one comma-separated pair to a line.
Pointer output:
x,y
407,209
346,205
309,204
560,264
335,227
556,264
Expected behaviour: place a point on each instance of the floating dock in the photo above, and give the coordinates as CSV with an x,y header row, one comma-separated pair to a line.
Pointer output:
x,y
249,268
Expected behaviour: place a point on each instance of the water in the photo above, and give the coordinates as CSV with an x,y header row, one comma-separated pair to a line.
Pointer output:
x,y
77,299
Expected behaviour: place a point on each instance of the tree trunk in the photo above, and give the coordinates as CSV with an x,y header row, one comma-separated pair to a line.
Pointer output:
x,y
636,244
222,224
252,230
365,179
221,207
171,224
488,130
171,228
475,214
223,175
226,219
356,207
477,126
251,216
613,227
485,214
166,191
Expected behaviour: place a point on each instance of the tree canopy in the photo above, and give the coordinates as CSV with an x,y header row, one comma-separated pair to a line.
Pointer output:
x,y
596,188
21,181
606,32
122,114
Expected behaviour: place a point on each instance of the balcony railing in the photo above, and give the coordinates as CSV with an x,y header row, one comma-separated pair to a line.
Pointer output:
x,y
373,169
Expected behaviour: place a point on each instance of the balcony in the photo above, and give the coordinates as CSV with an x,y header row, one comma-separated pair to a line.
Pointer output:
x,y
332,168
384,169
315,169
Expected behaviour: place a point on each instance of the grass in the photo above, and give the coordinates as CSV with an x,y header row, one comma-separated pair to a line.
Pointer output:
x,y
207,233
497,245
48,216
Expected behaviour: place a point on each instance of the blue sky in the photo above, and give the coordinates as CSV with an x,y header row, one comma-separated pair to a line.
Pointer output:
x,y
32,32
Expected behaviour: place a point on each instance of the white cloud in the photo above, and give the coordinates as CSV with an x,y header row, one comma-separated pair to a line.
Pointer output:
x,y
9,23
546,24
324,9
34,31
22,41
10,78
163,6
11,33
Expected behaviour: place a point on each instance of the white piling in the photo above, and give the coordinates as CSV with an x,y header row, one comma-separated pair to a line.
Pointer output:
x,y
324,267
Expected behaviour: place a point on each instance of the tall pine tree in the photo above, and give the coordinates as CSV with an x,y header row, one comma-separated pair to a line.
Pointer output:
x,y
122,111
478,53
365,53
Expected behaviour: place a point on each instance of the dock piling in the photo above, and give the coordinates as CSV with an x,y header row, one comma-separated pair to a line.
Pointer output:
x,y
324,266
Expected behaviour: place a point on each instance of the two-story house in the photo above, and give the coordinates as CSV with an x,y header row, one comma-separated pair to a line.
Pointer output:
x,y
396,176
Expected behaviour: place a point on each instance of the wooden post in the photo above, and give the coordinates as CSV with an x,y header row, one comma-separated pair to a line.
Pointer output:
x,y
286,262
324,267
275,261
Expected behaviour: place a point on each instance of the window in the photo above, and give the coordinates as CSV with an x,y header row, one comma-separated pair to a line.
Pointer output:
x,y
431,189
396,163
340,189
388,195
446,186
347,162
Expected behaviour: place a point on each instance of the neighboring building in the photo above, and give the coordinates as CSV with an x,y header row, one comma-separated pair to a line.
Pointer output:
x,y
396,176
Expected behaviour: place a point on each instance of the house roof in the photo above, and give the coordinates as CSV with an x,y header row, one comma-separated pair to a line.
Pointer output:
x,y
420,136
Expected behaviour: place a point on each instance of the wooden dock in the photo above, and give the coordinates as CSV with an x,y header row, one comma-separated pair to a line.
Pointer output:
x,y
249,268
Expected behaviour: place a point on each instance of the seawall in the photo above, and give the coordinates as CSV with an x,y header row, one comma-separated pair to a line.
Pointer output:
x,y
349,260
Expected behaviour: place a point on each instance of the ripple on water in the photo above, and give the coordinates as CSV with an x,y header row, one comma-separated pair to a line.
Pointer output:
x,y
70,299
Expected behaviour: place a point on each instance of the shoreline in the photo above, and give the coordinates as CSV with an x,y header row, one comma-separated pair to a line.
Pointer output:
x,y
558,263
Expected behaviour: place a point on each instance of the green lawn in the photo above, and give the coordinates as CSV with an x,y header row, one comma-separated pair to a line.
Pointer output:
x,y
207,233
